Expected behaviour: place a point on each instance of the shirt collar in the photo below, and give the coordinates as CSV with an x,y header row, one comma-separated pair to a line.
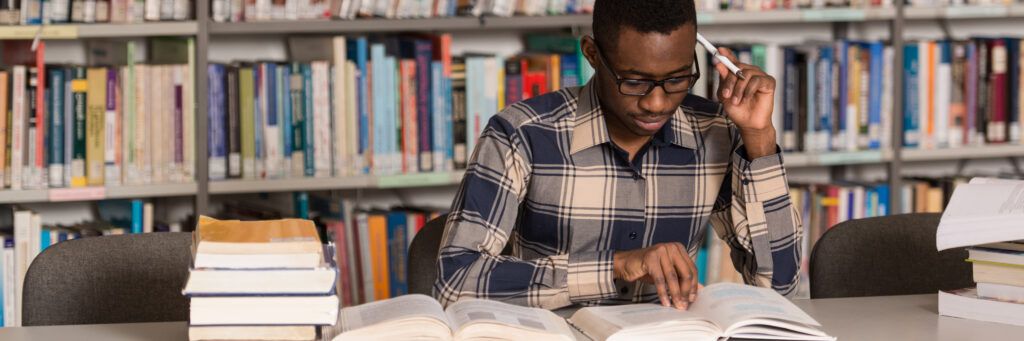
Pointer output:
x,y
590,128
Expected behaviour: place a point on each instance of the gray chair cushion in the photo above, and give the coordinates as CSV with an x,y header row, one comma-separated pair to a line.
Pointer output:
x,y
112,279
423,256
893,255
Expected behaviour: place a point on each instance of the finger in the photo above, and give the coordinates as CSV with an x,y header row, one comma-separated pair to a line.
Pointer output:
x,y
654,270
725,87
689,274
721,69
752,88
672,279
739,87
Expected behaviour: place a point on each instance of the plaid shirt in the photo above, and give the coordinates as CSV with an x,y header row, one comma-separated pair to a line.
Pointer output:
x,y
546,177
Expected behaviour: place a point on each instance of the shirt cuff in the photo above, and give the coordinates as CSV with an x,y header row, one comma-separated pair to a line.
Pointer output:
x,y
761,179
591,276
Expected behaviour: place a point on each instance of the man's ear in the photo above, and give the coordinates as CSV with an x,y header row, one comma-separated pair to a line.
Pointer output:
x,y
589,48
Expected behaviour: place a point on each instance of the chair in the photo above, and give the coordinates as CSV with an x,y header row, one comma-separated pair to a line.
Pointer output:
x,y
423,251
893,255
111,279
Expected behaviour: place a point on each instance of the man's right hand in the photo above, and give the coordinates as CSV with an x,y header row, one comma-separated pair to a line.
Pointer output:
x,y
667,266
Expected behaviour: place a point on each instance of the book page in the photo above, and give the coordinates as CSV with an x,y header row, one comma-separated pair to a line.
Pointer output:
x,y
645,319
400,308
982,213
474,311
730,304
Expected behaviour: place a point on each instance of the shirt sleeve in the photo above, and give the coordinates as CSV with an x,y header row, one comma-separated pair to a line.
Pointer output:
x,y
481,222
755,216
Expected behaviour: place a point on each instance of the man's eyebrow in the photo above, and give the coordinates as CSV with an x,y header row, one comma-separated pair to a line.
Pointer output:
x,y
649,75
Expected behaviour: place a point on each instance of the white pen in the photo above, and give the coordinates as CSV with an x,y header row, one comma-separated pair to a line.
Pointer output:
x,y
728,64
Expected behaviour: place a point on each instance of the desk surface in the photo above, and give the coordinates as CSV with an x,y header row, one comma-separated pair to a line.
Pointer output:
x,y
912,317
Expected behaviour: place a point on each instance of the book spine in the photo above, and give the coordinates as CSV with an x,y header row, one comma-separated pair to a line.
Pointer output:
x,y
397,245
911,132
378,253
189,114
971,99
137,216
217,122
943,91
875,95
143,97
95,121
286,120
458,88
341,128
126,102
997,128
56,133
29,166
79,93
409,136
272,134
322,118
110,132
234,140
4,127
424,108
247,117
18,121
309,128
790,98
298,122
259,121
437,113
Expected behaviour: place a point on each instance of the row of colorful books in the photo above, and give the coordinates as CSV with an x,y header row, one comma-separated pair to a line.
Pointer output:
x,y
25,235
37,12
121,124
382,105
963,92
264,10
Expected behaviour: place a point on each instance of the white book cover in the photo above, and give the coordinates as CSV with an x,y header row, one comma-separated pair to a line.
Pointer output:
x,y
189,119
221,10
10,289
323,144
152,12
177,159
182,9
167,9
366,268
357,161
59,10
366,8
147,217
127,122
943,95
339,105
141,145
159,123
137,11
775,65
18,122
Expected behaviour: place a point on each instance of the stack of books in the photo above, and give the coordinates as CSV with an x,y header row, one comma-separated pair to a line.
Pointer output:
x,y
260,280
985,215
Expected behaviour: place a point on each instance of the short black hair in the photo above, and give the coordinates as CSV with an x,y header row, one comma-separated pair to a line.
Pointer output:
x,y
644,16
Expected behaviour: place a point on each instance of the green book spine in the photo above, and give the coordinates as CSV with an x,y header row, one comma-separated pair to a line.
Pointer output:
x,y
247,114
759,55
298,121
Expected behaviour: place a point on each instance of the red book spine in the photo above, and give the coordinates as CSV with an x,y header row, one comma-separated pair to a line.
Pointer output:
x,y
41,108
997,91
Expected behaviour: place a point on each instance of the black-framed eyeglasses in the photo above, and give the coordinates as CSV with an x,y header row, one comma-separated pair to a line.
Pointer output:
x,y
642,87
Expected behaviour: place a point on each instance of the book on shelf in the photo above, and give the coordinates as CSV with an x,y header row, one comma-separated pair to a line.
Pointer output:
x,y
74,126
38,12
725,310
422,317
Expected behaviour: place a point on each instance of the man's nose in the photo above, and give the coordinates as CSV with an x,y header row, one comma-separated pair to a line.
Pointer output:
x,y
656,101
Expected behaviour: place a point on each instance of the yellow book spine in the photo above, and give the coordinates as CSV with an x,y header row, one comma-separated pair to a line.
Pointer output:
x,y
378,228
96,108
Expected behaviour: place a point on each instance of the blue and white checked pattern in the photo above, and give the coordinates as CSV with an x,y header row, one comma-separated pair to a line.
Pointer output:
x,y
546,177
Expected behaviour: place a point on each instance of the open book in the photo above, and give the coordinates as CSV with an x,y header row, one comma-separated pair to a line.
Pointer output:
x,y
420,317
723,310
984,211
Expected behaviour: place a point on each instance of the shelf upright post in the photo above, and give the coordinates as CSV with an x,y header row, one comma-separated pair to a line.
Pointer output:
x,y
896,164
202,174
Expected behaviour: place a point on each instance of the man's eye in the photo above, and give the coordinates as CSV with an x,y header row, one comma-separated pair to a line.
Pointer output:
x,y
634,82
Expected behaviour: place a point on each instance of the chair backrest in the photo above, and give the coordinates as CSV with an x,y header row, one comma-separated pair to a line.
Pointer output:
x,y
423,256
111,279
423,252
893,255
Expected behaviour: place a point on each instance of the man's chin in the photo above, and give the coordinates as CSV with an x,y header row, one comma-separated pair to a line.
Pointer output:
x,y
647,129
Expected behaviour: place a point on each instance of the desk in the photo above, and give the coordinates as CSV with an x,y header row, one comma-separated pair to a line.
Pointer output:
x,y
868,318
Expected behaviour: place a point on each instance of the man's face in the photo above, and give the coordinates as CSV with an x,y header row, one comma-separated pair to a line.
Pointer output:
x,y
652,56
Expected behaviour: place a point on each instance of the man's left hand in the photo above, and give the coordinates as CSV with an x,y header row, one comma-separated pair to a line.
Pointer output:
x,y
749,104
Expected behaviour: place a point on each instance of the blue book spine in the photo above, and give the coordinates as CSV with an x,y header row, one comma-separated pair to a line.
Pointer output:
x,y
883,200
137,216
307,95
875,95
570,71
812,123
702,262
56,133
398,242
424,112
282,97
62,236
378,114
825,102
357,53
258,72
286,118
273,124
842,61
217,129
790,100
911,133
44,239
437,114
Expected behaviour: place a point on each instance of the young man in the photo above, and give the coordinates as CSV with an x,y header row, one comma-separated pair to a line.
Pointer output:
x,y
605,191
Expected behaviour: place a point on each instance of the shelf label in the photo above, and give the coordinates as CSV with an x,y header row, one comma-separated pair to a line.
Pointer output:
x,y
976,11
414,180
849,158
29,32
78,194
705,18
837,14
